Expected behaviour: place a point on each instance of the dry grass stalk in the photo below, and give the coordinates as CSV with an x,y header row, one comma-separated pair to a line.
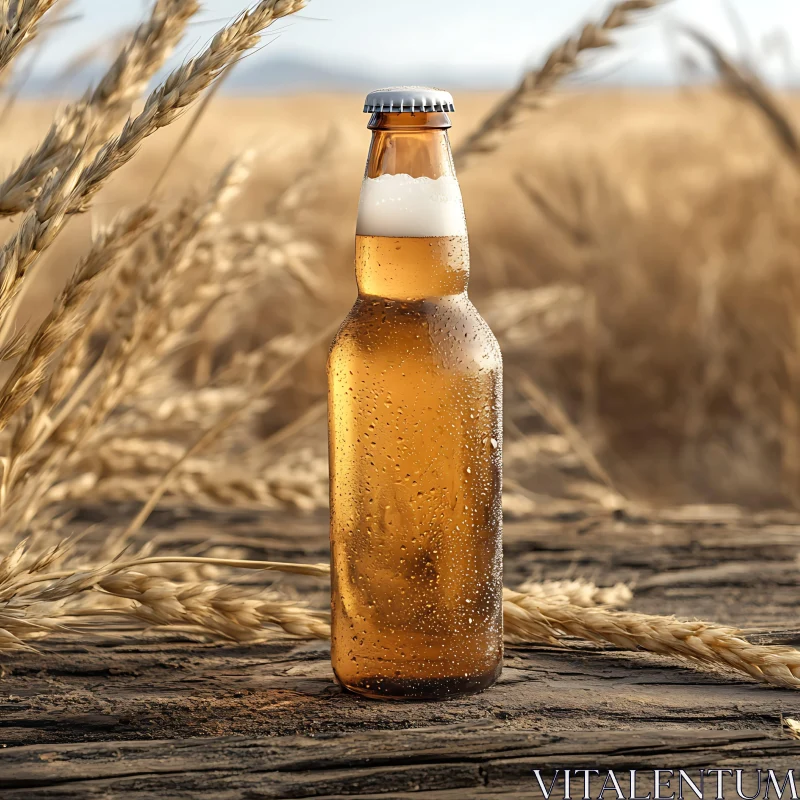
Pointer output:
x,y
18,25
84,125
539,82
71,190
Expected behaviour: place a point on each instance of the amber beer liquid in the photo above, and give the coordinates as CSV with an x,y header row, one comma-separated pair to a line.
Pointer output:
x,y
415,407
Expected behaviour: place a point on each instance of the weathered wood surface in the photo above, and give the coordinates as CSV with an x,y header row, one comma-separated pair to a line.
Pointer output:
x,y
446,762
169,716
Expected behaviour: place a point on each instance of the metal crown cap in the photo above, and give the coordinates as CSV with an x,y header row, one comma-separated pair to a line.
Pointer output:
x,y
398,99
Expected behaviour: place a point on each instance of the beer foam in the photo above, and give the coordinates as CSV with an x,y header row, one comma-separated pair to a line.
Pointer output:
x,y
399,205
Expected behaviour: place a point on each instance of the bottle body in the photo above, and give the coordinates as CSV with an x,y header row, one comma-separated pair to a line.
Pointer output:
x,y
415,423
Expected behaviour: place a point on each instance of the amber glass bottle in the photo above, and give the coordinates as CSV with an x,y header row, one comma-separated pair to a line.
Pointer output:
x,y
415,408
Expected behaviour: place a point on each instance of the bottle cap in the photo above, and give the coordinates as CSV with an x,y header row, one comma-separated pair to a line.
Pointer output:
x,y
400,99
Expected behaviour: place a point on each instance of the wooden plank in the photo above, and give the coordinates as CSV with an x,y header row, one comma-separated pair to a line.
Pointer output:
x,y
427,761
124,715
169,690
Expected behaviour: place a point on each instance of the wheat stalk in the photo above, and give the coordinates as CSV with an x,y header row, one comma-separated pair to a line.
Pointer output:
x,y
179,411
210,483
69,310
543,614
25,573
528,618
556,417
64,322
71,190
226,611
184,297
153,317
21,561
213,432
220,611
746,83
579,592
18,25
82,126
146,267
147,323
536,83
74,425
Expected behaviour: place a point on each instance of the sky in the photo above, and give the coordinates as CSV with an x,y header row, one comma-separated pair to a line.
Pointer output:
x,y
502,36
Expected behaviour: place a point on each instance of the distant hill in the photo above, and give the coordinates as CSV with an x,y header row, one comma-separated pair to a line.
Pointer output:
x,y
264,74
267,75
270,75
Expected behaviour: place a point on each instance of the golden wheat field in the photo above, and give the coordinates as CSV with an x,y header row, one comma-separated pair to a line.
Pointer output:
x,y
170,285
634,251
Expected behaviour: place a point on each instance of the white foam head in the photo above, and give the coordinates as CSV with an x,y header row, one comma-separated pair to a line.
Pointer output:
x,y
399,205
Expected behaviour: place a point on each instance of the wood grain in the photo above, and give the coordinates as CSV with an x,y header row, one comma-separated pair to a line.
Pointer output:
x,y
168,715
434,762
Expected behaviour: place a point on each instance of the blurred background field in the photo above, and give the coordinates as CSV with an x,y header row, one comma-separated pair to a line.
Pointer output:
x,y
634,247
635,251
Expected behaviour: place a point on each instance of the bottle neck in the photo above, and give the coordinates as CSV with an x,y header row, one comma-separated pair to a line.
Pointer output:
x,y
411,235
410,144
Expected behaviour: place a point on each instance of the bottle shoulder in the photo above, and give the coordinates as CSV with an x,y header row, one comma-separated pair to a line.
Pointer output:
x,y
449,330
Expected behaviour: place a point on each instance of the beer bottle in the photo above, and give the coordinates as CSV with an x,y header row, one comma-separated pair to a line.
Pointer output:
x,y
415,409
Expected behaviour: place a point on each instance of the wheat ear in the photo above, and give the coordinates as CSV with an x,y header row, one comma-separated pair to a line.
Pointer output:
x,y
18,25
745,83
135,302
543,615
16,583
82,126
71,190
528,618
212,433
68,311
538,82
579,592
141,340
64,322
148,324
222,610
